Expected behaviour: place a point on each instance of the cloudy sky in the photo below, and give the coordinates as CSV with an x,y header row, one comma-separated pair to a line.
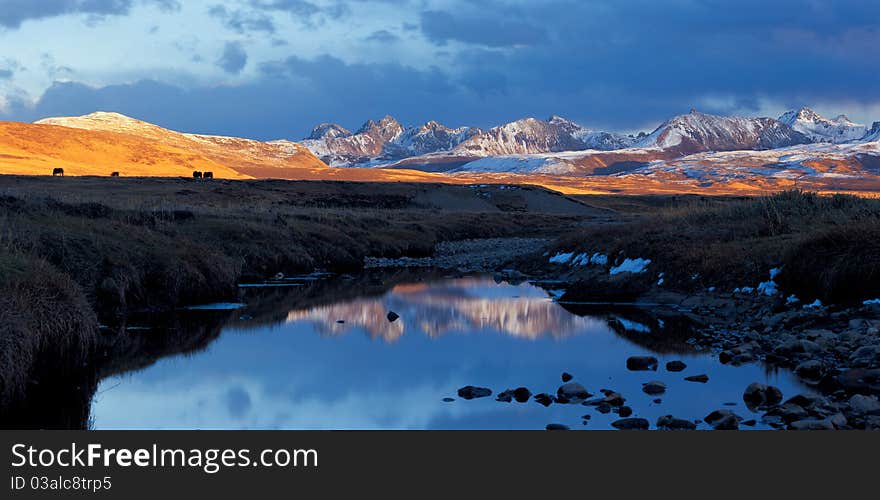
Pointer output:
x,y
273,68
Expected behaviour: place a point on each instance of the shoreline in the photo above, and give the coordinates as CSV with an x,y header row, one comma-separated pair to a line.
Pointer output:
x,y
180,243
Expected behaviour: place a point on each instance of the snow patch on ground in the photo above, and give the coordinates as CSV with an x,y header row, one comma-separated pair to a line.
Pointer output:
x,y
632,326
561,258
634,266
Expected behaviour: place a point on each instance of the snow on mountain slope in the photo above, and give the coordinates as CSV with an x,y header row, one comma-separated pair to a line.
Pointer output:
x,y
820,160
821,129
696,132
530,135
432,137
338,147
873,134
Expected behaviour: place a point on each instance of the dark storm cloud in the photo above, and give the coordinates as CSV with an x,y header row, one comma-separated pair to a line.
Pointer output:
x,y
605,63
441,27
661,58
234,58
15,12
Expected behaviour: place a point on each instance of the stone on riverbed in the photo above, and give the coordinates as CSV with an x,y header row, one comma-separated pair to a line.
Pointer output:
x,y
702,378
641,363
675,366
625,411
811,370
654,388
471,392
505,396
671,423
812,425
631,424
557,427
723,420
521,394
393,316
867,405
572,390
544,399
566,377
758,394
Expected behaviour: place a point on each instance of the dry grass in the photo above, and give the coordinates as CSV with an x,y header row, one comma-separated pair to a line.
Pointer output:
x,y
826,245
44,321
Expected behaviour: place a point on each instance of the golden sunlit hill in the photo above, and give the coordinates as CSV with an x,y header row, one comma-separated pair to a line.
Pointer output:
x,y
37,149
101,143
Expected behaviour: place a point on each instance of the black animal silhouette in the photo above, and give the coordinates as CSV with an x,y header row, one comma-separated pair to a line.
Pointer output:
x,y
58,171
197,175
114,174
209,175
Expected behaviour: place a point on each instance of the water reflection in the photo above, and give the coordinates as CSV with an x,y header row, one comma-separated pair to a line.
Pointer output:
x,y
449,306
292,364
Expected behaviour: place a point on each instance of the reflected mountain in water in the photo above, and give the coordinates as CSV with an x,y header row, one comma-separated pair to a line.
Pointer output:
x,y
456,305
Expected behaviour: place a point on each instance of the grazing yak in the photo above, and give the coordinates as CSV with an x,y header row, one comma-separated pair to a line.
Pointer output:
x,y
209,175
197,175
114,174
58,171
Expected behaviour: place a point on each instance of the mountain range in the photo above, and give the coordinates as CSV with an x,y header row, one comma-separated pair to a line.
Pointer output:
x,y
435,147
691,152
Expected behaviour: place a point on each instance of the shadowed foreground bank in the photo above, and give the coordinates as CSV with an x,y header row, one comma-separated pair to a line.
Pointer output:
x,y
77,249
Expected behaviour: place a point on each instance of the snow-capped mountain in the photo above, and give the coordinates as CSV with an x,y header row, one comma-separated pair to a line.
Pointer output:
x,y
387,141
531,135
696,132
821,129
432,137
339,147
873,134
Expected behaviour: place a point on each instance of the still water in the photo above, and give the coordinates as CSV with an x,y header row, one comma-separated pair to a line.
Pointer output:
x,y
329,358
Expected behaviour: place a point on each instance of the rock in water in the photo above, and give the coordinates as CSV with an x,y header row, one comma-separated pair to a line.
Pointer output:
x,y
471,392
675,366
675,424
631,424
557,427
505,396
544,399
572,390
393,316
448,400
521,394
624,411
723,420
702,378
641,363
566,377
758,394
654,388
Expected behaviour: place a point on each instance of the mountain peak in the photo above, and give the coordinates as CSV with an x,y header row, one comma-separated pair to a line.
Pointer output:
x,y
696,131
387,122
328,130
821,129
